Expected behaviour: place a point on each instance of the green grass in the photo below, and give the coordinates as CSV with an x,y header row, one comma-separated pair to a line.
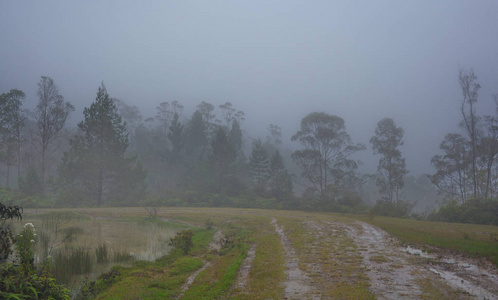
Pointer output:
x,y
161,279
470,239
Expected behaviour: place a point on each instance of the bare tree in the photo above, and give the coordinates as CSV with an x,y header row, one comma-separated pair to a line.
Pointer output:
x,y
51,114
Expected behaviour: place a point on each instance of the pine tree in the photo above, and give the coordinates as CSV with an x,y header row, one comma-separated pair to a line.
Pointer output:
x,y
96,166
280,183
260,167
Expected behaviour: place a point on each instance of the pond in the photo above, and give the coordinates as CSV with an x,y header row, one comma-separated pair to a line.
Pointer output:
x,y
80,248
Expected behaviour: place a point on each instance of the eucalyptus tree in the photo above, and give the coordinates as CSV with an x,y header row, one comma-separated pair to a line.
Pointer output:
x,y
51,114
325,159
392,167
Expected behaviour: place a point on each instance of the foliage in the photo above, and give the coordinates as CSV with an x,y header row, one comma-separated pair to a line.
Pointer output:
x,y
95,167
388,208
183,240
6,235
208,224
51,114
325,159
93,288
260,166
31,184
474,211
280,183
392,166
25,280
11,123
466,170
24,245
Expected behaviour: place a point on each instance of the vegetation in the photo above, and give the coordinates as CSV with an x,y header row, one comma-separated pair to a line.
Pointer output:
x,y
23,279
474,240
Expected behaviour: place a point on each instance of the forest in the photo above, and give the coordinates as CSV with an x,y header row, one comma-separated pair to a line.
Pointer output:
x,y
116,157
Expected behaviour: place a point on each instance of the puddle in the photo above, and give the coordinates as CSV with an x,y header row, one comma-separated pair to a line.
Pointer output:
x,y
474,280
463,284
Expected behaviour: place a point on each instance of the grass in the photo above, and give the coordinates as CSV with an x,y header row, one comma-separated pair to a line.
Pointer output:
x,y
332,261
470,239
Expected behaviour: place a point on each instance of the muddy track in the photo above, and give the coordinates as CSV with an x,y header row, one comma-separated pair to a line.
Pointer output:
x,y
392,271
297,284
469,277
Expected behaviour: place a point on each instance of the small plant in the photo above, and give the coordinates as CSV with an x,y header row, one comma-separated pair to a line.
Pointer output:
x,y
208,224
101,254
24,245
152,211
183,240
93,288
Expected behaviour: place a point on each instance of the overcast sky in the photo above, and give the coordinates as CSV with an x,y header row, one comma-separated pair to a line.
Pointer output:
x,y
275,60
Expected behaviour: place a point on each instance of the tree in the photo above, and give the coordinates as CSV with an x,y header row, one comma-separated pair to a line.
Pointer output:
x,y
196,132
96,166
280,183
275,137
11,123
230,114
51,114
222,159
470,91
260,166
453,169
325,158
175,136
392,168
235,137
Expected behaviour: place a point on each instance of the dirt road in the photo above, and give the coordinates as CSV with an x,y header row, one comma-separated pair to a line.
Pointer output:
x,y
358,254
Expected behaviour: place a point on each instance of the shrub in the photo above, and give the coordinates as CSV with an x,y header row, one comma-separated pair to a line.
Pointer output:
x,y
475,211
183,240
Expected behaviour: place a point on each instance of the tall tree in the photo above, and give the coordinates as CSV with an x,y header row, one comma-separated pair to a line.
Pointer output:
x,y
280,183
175,136
453,169
392,167
196,135
96,165
275,136
325,158
51,114
230,114
470,90
11,123
235,137
260,166
222,159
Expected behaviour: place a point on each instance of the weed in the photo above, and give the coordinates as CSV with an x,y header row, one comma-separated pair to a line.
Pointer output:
x,y
101,254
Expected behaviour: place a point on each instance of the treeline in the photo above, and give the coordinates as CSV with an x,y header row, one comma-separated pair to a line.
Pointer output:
x,y
117,157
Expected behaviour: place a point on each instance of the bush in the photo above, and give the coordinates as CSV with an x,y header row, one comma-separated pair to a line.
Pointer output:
x,y
183,240
25,280
398,209
474,211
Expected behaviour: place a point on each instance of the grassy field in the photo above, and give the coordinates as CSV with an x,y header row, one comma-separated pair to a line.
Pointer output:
x,y
340,274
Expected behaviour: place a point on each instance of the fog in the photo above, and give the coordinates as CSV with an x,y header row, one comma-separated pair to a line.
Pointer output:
x,y
276,61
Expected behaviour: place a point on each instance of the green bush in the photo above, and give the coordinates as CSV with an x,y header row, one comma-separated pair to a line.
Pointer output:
x,y
398,209
25,280
474,211
183,240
